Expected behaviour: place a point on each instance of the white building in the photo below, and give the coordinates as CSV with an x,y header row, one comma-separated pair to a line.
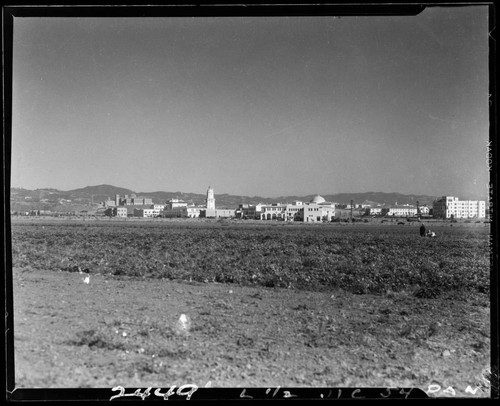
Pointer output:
x,y
317,210
424,210
449,206
402,211
273,211
121,212
210,199
149,213
193,211
174,204
374,211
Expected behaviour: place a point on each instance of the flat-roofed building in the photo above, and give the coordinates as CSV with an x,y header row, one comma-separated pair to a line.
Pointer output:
x,y
374,211
149,213
450,207
175,212
175,203
317,210
402,211
273,211
295,211
193,211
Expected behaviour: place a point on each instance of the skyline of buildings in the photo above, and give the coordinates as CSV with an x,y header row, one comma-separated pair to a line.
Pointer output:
x,y
316,210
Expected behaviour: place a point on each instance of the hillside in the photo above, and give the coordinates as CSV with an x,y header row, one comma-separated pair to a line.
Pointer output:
x,y
58,200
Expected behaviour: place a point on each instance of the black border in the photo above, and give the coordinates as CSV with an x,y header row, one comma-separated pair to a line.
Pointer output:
x,y
221,9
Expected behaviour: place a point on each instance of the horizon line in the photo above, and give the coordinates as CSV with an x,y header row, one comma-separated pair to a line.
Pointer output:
x,y
230,194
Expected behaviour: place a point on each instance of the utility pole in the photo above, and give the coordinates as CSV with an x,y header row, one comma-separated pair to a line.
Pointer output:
x,y
352,207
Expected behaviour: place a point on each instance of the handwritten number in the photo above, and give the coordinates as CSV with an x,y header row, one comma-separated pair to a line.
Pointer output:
x,y
188,394
121,389
355,392
388,391
402,392
450,390
166,395
242,395
170,392
158,393
433,388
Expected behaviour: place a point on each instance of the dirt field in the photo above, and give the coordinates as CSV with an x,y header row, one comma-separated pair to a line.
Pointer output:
x,y
121,330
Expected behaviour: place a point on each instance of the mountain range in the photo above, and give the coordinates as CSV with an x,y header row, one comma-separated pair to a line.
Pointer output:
x,y
21,199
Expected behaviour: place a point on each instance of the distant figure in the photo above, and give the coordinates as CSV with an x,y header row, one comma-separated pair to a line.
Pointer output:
x,y
422,230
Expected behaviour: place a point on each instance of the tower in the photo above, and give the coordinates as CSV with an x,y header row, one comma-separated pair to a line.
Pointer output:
x,y
210,199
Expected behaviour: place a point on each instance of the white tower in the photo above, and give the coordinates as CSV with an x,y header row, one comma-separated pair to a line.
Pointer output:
x,y
210,199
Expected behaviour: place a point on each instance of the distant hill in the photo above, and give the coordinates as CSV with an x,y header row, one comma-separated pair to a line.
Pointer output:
x,y
58,200
100,192
381,197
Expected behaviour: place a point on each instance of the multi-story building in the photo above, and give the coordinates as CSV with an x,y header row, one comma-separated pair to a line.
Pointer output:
x,y
132,200
193,211
424,210
141,201
248,211
295,211
150,213
400,211
109,203
121,211
116,212
274,211
374,211
174,204
450,207
317,210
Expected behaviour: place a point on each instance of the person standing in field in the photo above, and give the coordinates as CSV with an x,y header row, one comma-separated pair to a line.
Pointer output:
x,y
422,230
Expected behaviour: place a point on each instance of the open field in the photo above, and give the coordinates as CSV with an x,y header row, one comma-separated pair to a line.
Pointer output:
x,y
270,304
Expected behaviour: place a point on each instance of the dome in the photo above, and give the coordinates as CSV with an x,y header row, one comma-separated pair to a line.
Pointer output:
x,y
317,199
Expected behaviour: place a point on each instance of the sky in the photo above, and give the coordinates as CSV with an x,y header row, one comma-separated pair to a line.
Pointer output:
x,y
254,106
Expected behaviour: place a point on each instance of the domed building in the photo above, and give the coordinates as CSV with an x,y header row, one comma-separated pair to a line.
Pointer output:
x,y
318,199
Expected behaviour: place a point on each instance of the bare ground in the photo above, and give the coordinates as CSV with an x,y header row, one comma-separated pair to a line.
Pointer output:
x,y
118,331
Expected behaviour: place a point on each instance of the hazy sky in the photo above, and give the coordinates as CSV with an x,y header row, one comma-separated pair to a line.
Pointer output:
x,y
254,106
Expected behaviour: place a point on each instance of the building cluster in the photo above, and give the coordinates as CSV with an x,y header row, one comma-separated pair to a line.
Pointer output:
x,y
446,207
316,210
